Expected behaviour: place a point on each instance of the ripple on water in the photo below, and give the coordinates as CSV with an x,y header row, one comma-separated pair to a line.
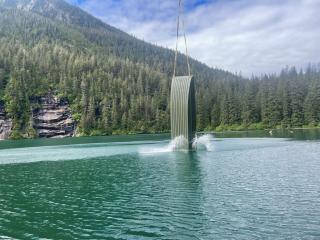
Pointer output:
x,y
243,189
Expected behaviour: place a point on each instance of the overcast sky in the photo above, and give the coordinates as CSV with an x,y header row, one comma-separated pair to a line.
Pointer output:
x,y
251,36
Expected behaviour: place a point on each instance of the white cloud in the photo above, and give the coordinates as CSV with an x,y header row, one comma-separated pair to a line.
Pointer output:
x,y
237,35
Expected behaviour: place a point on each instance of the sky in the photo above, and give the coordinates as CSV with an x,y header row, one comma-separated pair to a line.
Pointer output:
x,y
241,36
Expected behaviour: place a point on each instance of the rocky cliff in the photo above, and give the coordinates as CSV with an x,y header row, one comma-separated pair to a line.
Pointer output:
x,y
53,118
5,124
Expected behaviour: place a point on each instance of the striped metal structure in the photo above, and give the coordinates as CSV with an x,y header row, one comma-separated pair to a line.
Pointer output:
x,y
183,109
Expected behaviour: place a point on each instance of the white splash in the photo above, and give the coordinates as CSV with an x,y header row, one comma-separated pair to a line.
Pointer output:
x,y
204,142
179,143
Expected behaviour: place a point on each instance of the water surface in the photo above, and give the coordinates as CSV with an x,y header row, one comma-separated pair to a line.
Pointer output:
x,y
136,188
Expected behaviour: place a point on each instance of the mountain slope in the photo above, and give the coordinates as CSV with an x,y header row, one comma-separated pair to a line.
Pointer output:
x,y
110,39
116,83
109,77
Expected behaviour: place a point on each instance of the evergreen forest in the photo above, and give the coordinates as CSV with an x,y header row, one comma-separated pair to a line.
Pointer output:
x,y
117,84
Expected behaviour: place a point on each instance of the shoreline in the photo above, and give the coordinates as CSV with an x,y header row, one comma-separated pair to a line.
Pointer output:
x,y
270,131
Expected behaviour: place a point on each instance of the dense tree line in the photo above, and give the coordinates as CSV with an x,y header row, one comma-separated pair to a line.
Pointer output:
x,y
118,84
290,99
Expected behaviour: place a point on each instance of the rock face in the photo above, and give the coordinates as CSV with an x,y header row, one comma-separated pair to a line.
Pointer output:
x,y
53,119
5,124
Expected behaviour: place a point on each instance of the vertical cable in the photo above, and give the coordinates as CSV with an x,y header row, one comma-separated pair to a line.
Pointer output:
x,y
185,42
177,40
181,15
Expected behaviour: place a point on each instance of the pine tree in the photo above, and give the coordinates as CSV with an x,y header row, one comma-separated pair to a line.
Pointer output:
x,y
215,116
312,106
249,110
297,99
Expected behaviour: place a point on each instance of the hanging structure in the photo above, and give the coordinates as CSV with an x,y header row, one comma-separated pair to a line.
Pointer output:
x,y
183,106
183,117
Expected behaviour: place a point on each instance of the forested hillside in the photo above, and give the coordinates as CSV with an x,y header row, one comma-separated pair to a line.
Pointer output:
x,y
116,83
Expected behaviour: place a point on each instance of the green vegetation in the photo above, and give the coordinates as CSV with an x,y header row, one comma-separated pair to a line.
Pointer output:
x,y
118,84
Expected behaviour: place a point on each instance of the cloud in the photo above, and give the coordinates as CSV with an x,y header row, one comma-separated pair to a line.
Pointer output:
x,y
251,36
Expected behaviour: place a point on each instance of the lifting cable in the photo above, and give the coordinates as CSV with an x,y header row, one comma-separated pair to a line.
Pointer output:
x,y
181,16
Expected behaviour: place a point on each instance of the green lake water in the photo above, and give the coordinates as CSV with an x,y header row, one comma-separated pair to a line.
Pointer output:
x,y
249,185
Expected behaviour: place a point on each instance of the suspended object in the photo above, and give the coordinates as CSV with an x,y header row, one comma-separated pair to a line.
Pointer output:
x,y
183,106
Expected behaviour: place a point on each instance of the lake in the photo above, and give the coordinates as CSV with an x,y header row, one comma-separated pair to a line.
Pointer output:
x,y
248,185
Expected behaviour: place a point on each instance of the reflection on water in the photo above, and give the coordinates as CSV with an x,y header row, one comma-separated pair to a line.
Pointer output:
x,y
244,188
